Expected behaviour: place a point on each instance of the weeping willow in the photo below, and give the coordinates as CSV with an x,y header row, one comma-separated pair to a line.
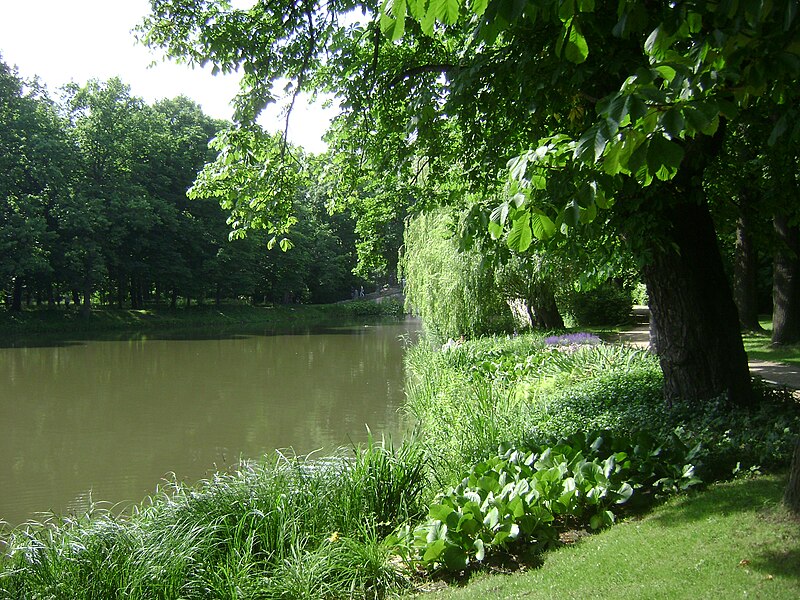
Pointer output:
x,y
454,291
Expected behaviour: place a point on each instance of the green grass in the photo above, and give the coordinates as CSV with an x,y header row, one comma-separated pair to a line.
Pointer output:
x,y
734,540
290,529
759,345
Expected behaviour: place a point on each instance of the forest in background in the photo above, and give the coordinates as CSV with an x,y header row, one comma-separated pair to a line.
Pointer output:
x,y
95,209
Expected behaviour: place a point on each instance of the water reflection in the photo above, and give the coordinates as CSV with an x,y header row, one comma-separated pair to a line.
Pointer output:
x,y
111,418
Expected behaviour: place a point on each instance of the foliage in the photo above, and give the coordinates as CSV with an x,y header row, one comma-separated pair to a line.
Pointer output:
x,y
528,494
607,304
478,394
557,115
452,292
368,308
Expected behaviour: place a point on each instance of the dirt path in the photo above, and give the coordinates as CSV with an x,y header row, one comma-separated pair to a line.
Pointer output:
x,y
772,372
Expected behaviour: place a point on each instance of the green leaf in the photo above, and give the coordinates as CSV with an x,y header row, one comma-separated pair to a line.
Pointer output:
x,y
492,518
778,130
478,7
673,123
452,9
566,10
521,235
592,143
480,549
576,50
663,157
542,226
439,512
434,551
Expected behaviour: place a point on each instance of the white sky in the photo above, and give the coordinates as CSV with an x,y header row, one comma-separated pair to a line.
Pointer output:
x,y
78,40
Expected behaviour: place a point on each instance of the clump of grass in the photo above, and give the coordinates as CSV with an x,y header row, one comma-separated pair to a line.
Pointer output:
x,y
287,528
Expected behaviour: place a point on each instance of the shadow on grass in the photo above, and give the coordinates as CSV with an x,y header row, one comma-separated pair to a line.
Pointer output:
x,y
785,563
725,498
760,496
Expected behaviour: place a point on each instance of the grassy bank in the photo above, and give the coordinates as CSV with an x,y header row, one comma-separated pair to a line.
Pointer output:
x,y
286,528
731,541
62,320
521,441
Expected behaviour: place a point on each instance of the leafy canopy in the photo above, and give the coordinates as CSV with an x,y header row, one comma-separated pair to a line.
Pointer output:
x,y
583,100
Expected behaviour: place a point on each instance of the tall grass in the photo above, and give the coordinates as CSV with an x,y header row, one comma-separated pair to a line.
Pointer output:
x,y
287,528
473,396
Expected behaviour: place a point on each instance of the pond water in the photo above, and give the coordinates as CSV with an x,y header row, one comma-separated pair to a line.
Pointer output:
x,y
99,420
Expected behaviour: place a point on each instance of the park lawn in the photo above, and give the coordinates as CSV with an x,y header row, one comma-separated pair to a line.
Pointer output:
x,y
759,345
733,540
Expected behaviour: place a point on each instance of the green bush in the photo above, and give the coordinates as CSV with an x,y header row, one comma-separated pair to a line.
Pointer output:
x,y
608,304
529,494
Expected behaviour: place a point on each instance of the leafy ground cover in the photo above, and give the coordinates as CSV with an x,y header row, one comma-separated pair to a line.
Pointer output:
x,y
521,441
733,540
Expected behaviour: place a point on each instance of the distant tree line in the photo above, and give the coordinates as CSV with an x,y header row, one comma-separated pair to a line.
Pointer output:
x,y
94,209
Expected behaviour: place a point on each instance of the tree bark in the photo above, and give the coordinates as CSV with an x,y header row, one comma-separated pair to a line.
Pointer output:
x,y
791,496
699,343
786,283
745,269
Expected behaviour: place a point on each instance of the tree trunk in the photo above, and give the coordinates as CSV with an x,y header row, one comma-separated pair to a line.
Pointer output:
x,y
547,310
745,268
86,307
786,283
16,295
136,297
791,496
120,291
699,343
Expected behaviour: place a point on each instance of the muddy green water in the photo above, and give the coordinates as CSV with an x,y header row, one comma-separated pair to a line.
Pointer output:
x,y
109,420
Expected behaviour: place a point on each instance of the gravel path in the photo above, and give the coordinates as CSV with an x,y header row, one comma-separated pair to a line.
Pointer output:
x,y
775,373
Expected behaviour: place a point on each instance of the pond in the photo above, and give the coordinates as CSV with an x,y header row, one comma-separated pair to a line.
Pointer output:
x,y
108,420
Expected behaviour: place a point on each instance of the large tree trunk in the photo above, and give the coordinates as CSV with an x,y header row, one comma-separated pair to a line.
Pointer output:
x,y
698,342
791,496
547,310
745,269
786,283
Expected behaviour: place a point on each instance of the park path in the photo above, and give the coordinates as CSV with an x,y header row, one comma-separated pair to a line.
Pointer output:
x,y
775,373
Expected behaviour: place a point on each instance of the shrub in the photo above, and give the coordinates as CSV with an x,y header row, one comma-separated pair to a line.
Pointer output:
x,y
529,494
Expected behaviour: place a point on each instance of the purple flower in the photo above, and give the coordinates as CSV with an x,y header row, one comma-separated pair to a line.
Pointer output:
x,y
572,339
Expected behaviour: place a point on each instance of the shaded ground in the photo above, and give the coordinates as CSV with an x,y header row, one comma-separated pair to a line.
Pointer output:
x,y
772,372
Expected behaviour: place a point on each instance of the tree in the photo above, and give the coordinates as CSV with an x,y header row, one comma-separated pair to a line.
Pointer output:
x,y
31,158
453,291
462,87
